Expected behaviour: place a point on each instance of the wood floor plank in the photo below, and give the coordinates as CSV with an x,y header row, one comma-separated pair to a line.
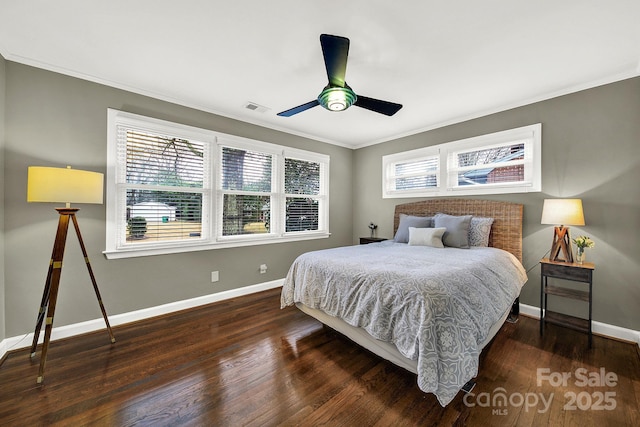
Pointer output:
x,y
246,362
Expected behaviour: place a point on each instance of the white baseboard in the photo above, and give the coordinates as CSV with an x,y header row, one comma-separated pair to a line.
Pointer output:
x,y
66,331
604,329
3,348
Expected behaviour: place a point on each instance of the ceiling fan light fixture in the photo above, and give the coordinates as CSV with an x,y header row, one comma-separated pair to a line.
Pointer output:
x,y
337,98
337,95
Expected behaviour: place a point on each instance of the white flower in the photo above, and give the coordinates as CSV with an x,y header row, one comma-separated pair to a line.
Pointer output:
x,y
584,242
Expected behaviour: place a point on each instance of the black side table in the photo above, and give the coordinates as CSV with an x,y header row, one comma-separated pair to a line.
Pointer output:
x,y
367,240
575,272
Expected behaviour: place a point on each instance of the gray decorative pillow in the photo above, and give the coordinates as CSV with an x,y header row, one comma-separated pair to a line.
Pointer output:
x,y
406,221
426,237
479,231
457,234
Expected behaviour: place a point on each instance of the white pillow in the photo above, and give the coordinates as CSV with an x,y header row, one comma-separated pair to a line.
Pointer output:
x,y
426,236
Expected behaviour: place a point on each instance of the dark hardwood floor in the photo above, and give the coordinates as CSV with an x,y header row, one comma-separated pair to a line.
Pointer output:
x,y
246,362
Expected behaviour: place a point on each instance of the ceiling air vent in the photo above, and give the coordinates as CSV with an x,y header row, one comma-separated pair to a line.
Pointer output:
x,y
255,107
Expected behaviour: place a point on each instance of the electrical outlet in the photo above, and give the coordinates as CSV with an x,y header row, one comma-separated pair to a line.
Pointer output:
x,y
263,268
215,276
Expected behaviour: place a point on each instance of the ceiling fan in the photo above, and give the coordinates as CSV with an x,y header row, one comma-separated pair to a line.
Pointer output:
x,y
337,95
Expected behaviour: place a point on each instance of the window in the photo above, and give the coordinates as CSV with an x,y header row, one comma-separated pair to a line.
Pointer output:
x,y
246,192
164,188
302,189
413,175
174,188
502,162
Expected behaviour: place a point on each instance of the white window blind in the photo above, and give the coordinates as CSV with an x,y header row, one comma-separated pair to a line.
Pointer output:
x,y
302,187
413,175
162,187
246,191
498,165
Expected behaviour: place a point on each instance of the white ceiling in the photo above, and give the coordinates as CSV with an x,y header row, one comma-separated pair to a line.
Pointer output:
x,y
445,61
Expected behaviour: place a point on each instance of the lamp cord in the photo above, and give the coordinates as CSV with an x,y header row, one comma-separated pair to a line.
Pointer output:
x,y
18,343
536,264
511,318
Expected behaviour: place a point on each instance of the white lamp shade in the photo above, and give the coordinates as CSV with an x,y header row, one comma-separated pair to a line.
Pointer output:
x,y
65,185
562,212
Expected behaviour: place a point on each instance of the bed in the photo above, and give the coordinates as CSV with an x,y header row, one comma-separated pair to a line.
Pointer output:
x,y
428,309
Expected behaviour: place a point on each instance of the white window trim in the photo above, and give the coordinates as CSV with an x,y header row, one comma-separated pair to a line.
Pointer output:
x,y
211,239
447,176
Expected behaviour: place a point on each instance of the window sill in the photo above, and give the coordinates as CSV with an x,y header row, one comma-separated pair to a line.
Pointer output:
x,y
466,191
149,251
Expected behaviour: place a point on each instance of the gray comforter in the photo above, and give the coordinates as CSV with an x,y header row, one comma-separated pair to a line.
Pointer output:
x,y
436,305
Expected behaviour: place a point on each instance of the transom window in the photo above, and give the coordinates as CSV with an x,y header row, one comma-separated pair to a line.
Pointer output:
x,y
174,188
502,162
414,175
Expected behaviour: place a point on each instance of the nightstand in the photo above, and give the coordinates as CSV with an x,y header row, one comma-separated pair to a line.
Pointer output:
x,y
582,273
366,240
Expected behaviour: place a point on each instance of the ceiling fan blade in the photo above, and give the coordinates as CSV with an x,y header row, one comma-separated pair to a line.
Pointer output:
x,y
299,108
383,107
335,50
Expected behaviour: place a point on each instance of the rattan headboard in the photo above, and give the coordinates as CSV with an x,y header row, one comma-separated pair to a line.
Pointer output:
x,y
506,231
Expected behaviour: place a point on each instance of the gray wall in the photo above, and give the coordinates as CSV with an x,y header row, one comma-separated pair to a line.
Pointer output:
x,y
2,144
56,120
590,150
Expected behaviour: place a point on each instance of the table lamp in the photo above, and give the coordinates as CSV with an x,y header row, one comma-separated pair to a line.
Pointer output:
x,y
564,212
62,185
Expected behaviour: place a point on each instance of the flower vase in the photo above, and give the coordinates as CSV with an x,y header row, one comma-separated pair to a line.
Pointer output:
x,y
580,256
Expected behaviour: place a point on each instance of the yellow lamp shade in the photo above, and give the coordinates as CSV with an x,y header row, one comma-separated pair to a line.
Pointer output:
x,y
65,185
562,212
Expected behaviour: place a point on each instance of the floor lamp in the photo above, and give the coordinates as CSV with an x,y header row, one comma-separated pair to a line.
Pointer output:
x,y
565,212
45,184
